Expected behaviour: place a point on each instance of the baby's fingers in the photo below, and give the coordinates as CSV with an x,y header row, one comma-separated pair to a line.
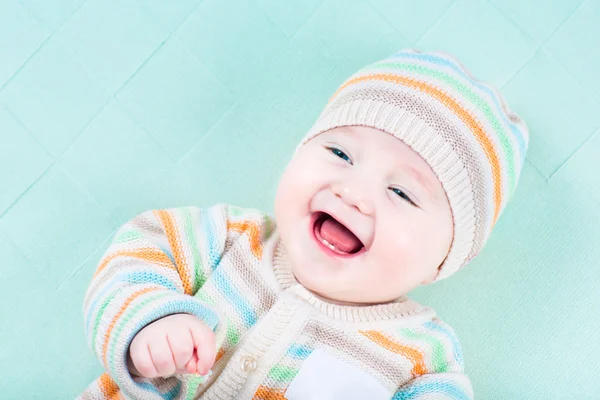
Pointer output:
x,y
182,347
206,346
191,366
160,351
139,355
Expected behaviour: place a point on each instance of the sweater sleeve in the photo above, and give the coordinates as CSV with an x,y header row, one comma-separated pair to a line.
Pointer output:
x,y
155,264
447,385
442,374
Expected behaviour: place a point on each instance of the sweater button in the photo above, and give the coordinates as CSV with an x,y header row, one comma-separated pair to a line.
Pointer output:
x,y
247,363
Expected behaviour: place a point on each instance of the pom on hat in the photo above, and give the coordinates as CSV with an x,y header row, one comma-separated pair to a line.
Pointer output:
x,y
462,128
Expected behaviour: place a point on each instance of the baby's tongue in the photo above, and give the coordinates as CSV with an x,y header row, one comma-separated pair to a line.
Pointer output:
x,y
339,236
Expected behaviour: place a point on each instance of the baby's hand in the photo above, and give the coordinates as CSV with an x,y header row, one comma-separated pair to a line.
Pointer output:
x,y
178,343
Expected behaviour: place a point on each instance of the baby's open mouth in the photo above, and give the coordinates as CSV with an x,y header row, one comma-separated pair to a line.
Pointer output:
x,y
334,235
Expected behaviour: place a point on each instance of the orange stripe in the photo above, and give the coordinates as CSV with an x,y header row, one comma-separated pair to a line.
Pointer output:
x,y
414,355
267,393
175,243
116,317
108,387
116,396
463,114
253,231
149,254
220,354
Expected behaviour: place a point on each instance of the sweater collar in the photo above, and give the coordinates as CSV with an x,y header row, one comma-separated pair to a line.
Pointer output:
x,y
401,308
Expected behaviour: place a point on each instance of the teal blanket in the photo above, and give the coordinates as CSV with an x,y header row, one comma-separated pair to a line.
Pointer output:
x,y
112,107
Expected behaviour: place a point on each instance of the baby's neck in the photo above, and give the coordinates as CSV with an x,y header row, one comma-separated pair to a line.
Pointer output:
x,y
344,303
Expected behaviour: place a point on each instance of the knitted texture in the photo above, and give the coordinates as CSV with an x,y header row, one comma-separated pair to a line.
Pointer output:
x,y
460,126
227,266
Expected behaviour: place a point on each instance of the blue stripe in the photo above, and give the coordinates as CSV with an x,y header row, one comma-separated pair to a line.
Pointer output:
x,y
91,313
125,277
299,351
456,349
214,252
444,62
139,277
167,251
415,391
240,304
170,395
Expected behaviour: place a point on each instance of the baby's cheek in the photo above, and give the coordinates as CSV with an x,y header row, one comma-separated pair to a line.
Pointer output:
x,y
393,266
390,273
401,255
401,231
398,244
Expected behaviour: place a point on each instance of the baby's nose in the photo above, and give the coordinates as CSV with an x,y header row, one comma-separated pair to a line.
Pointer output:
x,y
353,197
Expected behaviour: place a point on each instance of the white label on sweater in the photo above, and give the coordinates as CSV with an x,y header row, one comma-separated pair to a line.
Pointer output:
x,y
324,377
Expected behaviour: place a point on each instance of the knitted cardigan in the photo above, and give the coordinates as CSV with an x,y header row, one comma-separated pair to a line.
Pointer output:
x,y
275,339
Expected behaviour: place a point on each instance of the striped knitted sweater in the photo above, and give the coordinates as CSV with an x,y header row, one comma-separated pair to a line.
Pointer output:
x,y
275,339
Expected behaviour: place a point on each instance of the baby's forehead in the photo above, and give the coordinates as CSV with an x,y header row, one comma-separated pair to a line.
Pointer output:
x,y
368,139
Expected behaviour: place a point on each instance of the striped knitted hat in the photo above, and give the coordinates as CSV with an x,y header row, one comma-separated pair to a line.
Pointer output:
x,y
461,127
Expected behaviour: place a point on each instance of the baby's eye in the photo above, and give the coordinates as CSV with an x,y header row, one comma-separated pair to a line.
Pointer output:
x,y
340,154
403,195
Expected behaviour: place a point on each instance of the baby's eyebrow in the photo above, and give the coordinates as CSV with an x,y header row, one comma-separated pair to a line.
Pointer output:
x,y
422,180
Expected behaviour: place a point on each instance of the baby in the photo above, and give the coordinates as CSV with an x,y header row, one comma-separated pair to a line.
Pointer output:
x,y
397,184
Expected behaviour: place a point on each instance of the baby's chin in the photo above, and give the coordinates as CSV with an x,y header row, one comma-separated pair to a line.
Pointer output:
x,y
339,296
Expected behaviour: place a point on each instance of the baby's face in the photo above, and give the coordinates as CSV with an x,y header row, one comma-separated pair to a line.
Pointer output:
x,y
345,213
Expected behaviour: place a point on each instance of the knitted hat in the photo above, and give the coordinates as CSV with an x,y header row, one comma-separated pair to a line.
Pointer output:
x,y
460,126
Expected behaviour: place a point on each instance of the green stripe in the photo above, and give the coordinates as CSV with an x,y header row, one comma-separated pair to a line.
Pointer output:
x,y
281,373
438,357
193,382
127,236
188,225
474,98
99,317
233,336
234,211
269,226
203,296
123,322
